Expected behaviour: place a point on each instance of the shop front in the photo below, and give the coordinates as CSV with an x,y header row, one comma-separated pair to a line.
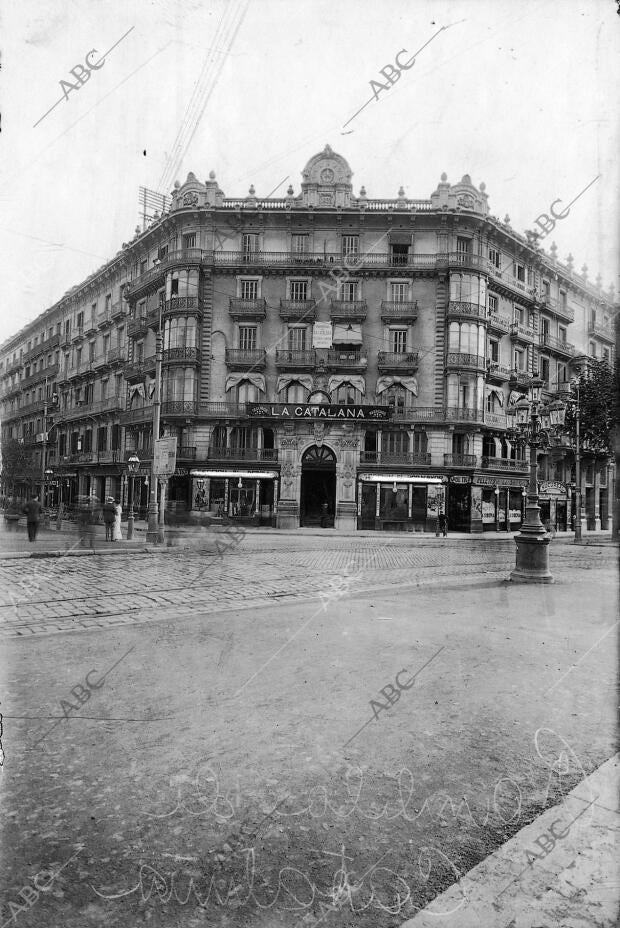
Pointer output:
x,y
240,495
554,501
499,502
400,502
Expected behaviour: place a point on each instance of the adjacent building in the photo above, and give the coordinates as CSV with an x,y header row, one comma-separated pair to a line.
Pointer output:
x,y
327,359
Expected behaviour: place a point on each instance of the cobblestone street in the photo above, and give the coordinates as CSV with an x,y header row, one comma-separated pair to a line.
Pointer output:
x,y
308,730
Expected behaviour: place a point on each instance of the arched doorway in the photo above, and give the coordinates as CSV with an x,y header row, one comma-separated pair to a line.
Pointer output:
x,y
318,487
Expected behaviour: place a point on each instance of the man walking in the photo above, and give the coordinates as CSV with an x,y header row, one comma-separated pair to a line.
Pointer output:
x,y
109,514
33,512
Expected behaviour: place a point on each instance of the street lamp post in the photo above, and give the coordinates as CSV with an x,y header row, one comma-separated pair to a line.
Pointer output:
x,y
524,420
133,464
577,539
153,533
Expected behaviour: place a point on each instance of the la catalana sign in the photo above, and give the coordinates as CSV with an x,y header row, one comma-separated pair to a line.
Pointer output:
x,y
319,411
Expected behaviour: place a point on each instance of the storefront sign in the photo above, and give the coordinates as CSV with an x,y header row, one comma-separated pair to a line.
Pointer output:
x,y
401,478
245,474
504,482
488,512
322,335
317,411
549,488
460,479
181,472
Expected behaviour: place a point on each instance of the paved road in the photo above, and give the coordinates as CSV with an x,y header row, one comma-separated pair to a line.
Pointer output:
x,y
242,715
56,595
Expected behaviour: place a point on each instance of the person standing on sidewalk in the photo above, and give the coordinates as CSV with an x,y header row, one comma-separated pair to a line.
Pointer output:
x,y
117,534
443,524
33,512
109,515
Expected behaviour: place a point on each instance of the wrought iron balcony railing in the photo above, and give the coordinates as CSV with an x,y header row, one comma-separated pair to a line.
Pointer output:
x,y
413,458
505,464
462,359
298,310
290,359
216,453
249,309
461,309
397,361
245,358
459,460
406,311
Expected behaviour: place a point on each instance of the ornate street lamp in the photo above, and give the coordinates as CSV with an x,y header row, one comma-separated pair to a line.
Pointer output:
x,y
133,464
531,425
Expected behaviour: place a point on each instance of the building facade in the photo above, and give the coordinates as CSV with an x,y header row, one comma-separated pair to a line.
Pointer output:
x,y
327,359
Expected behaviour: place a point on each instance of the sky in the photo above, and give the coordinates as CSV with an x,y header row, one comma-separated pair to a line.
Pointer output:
x,y
520,95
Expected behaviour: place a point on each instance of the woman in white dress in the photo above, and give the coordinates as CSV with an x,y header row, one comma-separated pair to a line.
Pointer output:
x,y
117,535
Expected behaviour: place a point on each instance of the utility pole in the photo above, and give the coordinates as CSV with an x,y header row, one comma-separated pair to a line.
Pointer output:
x,y
577,539
153,533
44,449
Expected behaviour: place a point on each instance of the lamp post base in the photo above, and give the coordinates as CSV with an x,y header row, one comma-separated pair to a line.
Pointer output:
x,y
532,562
154,535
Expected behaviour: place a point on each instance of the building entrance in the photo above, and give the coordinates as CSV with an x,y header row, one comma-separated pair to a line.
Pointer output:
x,y
318,487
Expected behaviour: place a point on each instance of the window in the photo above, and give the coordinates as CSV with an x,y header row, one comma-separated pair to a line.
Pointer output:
x,y
519,360
297,339
189,240
399,292
102,438
593,349
250,243
247,337
494,257
299,244
139,352
517,314
78,357
89,391
592,317
108,302
544,369
116,438
399,253
492,303
561,373
299,289
398,341
91,351
143,266
395,442
395,396
346,395
104,389
247,392
249,289
296,393
80,321
546,288
463,245
67,326
348,291
562,334
545,327
519,271
605,355
563,299
350,244
87,444
494,350
174,287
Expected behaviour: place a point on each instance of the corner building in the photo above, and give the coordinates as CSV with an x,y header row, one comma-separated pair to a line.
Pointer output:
x,y
328,359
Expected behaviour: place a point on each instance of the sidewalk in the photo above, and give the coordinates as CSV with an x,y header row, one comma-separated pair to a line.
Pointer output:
x,y
560,871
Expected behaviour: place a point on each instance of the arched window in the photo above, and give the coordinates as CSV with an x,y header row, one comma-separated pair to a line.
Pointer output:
x,y
395,396
247,392
346,395
295,393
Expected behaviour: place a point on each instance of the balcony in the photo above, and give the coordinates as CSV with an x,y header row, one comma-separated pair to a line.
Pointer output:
x,y
116,356
390,458
348,310
137,370
292,360
86,410
298,310
14,366
498,373
182,305
47,373
181,408
186,453
397,361
117,311
557,308
466,259
149,279
137,416
90,327
78,334
288,259
47,344
346,360
109,457
498,324
395,311
83,369
223,410
463,414
459,460
104,319
522,333
600,330
464,361
242,454
520,378
248,309
506,464
246,358
137,326
181,356
457,309
557,345
506,280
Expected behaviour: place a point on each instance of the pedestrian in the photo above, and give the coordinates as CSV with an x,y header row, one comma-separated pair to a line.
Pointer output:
x,y
324,514
443,524
109,515
117,534
33,510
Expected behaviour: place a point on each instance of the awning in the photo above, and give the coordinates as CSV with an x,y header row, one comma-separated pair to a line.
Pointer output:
x,y
136,388
494,391
400,478
354,379
247,474
285,381
400,238
409,383
150,386
350,334
234,380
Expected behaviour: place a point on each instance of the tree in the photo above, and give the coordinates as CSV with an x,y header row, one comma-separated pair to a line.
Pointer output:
x,y
595,389
19,467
